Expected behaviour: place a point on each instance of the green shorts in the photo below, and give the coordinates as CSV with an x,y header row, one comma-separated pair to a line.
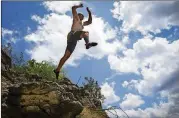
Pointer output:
x,y
72,39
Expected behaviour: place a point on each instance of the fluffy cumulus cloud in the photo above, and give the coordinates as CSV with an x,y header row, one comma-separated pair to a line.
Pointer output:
x,y
122,64
153,59
60,6
130,84
174,108
146,16
156,111
156,63
50,36
170,90
131,101
107,89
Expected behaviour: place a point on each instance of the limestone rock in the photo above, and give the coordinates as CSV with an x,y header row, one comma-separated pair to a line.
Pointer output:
x,y
30,96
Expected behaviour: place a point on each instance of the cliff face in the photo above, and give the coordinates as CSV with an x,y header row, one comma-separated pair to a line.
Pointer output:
x,y
30,96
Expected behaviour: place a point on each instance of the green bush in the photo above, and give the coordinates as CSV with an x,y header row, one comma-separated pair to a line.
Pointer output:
x,y
43,69
92,86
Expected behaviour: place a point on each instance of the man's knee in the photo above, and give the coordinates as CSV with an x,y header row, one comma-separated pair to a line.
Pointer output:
x,y
85,34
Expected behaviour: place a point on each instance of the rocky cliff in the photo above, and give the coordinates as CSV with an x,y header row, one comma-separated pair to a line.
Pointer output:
x,y
30,96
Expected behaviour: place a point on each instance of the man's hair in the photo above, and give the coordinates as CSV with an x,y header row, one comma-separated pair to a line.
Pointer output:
x,y
80,14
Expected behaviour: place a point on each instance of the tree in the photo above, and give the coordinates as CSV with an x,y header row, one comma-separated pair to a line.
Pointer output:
x,y
93,87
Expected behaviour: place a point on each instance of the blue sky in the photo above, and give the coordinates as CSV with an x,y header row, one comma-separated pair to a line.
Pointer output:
x,y
136,48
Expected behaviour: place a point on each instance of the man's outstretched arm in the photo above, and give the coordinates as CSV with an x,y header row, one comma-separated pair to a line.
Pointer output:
x,y
89,18
74,12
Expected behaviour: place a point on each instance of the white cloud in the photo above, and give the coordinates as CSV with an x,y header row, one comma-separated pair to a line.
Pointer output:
x,y
50,38
174,108
169,89
9,35
156,111
131,84
125,84
156,80
146,15
6,32
123,64
125,40
131,101
28,29
112,76
60,6
108,91
153,59
37,19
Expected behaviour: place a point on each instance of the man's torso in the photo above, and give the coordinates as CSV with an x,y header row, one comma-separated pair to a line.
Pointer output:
x,y
77,25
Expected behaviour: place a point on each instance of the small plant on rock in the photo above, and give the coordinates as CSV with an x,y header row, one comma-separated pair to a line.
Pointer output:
x,y
93,87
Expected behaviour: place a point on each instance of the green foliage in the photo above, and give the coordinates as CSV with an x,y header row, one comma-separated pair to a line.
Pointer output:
x,y
43,69
90,83
18,59
92,86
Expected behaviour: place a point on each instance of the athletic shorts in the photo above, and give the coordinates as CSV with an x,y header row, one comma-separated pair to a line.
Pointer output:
x,y
72,39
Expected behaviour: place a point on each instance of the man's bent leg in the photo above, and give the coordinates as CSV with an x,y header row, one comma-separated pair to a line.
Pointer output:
x,y
85,35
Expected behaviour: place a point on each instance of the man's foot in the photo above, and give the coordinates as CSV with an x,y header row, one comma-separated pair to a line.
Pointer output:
x,y
89,45
56,73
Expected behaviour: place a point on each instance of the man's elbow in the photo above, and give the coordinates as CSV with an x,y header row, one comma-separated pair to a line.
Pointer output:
x,y
89,22
73,8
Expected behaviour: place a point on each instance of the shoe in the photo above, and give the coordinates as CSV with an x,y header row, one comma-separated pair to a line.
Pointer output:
x,y
89,45
56,73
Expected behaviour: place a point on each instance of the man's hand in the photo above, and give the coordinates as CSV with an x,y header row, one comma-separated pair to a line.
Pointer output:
x,y
88,9
81,5
77,6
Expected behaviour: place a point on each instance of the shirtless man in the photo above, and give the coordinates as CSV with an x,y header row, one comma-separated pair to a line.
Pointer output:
x,y
74,35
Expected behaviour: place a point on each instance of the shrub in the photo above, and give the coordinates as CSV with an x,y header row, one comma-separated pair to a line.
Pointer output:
x,y
92,86
43,69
